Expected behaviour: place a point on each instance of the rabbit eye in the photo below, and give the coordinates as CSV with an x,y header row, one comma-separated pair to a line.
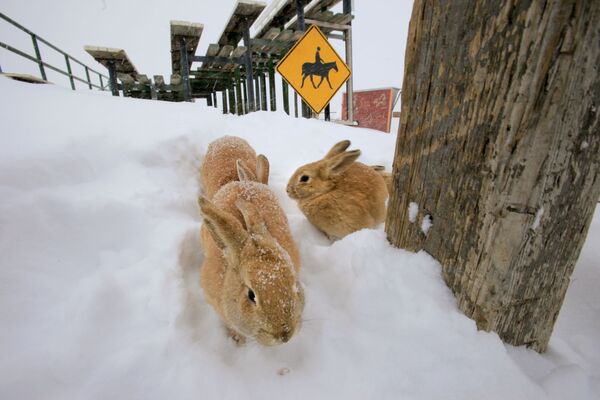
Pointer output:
x,y
251,296
304,178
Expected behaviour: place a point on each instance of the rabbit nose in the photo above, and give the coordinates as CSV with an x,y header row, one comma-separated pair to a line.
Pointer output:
x,y
285,336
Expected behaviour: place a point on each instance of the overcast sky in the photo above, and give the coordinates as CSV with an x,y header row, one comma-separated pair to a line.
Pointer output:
x,y
141,27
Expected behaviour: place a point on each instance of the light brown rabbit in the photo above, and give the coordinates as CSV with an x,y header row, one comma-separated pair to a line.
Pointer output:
x,y
219,164
251,264
387,176
337,194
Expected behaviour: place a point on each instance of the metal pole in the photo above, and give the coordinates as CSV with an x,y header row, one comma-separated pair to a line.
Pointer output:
x,y
214,94
70,72
349,83
286,96
224,99
245,90
38,56
263,92
87,74
184,66
327,113
272,86
231,95
248,65
112,75
257,91
295,104
300,14
301,27
101,83
238,92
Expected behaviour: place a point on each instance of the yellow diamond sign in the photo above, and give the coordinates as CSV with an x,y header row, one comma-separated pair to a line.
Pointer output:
x,y
314,69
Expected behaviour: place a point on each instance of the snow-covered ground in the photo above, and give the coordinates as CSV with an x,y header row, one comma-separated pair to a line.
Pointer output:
x,y
99,273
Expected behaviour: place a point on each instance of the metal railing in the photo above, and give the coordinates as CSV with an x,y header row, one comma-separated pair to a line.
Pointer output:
x,y
43,65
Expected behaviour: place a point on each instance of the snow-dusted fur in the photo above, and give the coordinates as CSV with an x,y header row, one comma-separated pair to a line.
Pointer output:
x,y
219,164
251,264
339,195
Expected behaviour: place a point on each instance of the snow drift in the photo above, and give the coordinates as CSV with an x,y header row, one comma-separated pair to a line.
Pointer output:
x,y
99,273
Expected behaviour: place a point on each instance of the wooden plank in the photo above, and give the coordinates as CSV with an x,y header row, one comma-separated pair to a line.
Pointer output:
x,y
107,55
176,80
159,81
237,53
269,36
143,79
191,32
325,16
278,15
225,51
126,79
212,51
234,29
284,36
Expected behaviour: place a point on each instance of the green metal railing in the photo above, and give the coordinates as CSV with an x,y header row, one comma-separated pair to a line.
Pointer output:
x,y
43,65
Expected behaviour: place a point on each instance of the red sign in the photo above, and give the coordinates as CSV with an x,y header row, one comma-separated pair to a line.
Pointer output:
x,y
372,108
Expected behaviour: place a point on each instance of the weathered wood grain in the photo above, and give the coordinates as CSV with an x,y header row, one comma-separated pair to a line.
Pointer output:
x,y
499,144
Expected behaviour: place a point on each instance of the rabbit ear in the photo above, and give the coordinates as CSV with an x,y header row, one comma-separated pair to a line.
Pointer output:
x,y
339,163
262,169
244,173
338,148
254,221
225,229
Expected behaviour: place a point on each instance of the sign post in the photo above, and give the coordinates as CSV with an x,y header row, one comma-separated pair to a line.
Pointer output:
x,y
314,69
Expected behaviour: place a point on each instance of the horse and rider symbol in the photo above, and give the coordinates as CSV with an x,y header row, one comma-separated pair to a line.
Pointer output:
x,y
318,68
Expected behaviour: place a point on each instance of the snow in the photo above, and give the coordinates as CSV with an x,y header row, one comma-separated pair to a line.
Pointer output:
x,y
99,275
538,217
426,224
413,211
584,145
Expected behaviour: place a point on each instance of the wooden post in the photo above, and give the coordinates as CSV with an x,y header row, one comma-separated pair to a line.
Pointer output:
x,y
214,94
286,96
209,100
327,113
498,154
101,83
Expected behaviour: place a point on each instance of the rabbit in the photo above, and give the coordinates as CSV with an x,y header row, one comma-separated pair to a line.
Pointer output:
x,y
387,176
251,265
338,195
219,164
